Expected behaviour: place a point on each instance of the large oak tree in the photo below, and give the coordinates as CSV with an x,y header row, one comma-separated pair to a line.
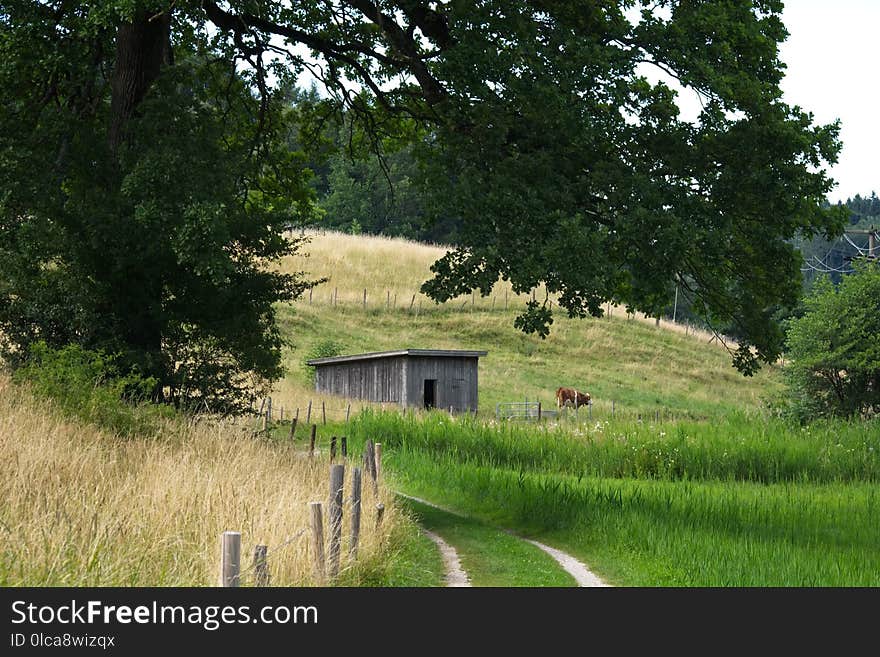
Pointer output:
x,y
146,181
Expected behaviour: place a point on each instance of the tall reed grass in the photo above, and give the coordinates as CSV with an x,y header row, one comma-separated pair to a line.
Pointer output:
x,y
736,447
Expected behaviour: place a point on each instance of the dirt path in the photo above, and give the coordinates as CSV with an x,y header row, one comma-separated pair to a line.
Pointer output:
x,y
581,574
455,575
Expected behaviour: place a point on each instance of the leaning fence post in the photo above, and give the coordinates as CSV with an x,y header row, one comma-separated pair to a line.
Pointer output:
x,y
337,481
309,412
355,511
230,559
261,567
348,411
317,526
378,457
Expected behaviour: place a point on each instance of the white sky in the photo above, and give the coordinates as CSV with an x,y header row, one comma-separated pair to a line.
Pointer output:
x,y
833,59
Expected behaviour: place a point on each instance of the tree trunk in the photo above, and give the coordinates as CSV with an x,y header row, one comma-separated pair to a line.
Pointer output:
x,y
142,48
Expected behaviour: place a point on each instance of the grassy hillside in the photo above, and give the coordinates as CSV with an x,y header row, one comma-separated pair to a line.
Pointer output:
x,y
641,367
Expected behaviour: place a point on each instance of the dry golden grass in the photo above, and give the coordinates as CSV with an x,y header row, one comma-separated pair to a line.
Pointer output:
x,y
84,508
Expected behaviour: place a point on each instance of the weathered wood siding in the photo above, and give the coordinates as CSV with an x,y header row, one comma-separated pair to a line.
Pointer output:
x,y
456,382
401,380
378,379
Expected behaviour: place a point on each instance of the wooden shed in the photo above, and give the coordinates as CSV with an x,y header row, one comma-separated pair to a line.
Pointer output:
x,y
419,378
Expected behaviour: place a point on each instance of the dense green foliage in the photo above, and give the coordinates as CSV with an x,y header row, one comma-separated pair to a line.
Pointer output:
x,y
144,235
92,386
147,176
835,348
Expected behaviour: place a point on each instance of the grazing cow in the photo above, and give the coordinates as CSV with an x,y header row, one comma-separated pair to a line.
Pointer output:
x,y
571,397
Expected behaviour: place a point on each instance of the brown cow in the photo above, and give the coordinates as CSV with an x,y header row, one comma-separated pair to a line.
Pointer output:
x,y
571,397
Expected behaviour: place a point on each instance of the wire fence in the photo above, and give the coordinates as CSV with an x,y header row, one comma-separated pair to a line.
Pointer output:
x,y
325,549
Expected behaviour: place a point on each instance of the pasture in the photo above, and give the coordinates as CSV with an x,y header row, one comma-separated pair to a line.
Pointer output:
x,y
642,368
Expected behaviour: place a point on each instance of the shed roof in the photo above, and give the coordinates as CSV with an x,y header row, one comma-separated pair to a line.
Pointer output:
x,y
435,353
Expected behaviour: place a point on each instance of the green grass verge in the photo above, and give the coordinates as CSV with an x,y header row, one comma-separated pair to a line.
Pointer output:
x,y
413,561
488,555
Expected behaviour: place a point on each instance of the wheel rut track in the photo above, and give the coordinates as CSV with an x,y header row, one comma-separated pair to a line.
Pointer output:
x,y
456,576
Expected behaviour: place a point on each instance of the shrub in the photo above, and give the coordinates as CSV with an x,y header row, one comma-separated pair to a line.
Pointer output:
x,y
323,349
835,348
90,385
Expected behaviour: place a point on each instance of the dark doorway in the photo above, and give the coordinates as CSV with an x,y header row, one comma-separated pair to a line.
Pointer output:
x,y
430,393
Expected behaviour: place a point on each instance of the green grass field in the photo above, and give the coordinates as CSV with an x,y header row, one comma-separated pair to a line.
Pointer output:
x,y
713,520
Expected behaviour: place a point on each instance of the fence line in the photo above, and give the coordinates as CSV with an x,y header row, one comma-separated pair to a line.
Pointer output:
x,y
325,547
385,300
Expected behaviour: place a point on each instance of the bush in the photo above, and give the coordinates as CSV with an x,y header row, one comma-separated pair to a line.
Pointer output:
x,y
324,349
89,385
835,348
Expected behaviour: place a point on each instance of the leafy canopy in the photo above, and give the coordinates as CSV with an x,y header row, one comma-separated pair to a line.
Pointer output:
x,y
147,176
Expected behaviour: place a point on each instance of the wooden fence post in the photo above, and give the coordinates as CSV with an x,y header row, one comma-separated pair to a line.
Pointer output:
x,y
323,413
312,439
317,526
365,297
412,301
378,457
292,433
370,464
380,511
348,411
230,559
269,410
337,481
355,511
539,411
344,446
332,447
309,412
261,566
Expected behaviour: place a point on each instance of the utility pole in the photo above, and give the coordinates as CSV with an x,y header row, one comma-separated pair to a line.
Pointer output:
x,y
872,233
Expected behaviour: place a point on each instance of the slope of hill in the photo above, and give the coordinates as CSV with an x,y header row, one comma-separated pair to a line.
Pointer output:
x,y
371,302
